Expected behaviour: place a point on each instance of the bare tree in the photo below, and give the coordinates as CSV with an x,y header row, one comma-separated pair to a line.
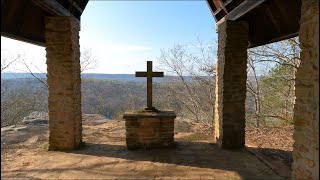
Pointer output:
x,y
253,87
17,97
7,62
21,100
41,80
87,60
192,81
16,101
273,90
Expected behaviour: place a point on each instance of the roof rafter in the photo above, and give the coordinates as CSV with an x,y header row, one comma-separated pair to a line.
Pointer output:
x,y
236,9
243,8
54,8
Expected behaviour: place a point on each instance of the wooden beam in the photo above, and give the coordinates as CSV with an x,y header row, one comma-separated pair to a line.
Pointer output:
x,y
210,5
223,7
76,6
219,5
221,10
227,2
243,8
273,40
54,7
24,39
219,22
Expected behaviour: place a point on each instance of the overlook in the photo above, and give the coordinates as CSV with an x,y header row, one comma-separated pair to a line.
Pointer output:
x,y
68,147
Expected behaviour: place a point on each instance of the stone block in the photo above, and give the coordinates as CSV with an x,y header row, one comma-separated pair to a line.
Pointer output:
x,y
149,129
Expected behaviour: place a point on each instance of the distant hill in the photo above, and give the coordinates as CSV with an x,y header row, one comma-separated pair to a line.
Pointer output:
x,y
84,75
21,75
116,77
120,77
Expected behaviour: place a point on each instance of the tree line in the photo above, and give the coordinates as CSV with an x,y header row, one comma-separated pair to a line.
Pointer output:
x,y
270,86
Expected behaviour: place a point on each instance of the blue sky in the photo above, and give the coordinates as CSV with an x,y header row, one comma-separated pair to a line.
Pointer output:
x,y
123,35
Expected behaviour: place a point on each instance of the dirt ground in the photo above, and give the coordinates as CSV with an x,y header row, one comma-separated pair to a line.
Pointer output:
x,y
24,154
276,142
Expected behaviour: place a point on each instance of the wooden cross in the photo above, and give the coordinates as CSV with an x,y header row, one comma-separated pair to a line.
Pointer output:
x,y
149,74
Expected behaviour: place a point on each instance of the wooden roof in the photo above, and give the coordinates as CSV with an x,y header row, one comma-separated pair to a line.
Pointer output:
x,y
24,19
269,20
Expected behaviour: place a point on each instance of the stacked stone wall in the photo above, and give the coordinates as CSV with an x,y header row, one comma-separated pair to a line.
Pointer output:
x,y
231,84
306,110
63,77
145,130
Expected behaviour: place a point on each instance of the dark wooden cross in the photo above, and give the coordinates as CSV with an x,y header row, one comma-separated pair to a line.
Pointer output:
x,y
149,74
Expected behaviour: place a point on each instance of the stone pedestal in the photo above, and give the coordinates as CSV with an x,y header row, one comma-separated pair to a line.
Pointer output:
x,y
149,129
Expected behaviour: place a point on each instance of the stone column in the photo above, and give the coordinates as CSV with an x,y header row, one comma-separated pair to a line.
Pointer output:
x,y
306,110
63,67
231,84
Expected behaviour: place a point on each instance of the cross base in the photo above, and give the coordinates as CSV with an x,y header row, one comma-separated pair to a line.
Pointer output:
x,y
152,109
149,130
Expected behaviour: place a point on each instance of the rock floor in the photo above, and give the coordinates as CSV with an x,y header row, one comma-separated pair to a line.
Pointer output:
x,y
105,156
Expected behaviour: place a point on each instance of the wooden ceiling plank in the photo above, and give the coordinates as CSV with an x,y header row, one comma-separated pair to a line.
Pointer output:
x,y
24,11
243,8
274,21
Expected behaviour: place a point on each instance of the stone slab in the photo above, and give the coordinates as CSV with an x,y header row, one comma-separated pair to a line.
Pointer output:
x,y
142,113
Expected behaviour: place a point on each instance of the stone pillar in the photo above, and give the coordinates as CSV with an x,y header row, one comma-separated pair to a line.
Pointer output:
x,y
231,84
63,76
306,110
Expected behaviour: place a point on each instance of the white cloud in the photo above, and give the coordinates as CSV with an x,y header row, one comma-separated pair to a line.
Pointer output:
x,y
119,58
126,48
118,48
112,58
